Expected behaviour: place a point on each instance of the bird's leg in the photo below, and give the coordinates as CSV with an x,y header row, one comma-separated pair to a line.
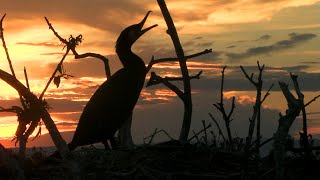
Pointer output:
x,y
114,143
106,144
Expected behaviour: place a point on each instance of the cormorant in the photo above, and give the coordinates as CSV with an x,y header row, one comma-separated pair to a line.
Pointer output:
x,y
114,100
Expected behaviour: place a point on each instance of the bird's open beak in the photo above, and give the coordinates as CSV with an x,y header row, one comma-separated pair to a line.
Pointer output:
x,y
142,23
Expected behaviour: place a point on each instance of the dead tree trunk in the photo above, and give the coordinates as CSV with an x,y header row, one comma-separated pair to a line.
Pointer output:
x,y
294,108
184,71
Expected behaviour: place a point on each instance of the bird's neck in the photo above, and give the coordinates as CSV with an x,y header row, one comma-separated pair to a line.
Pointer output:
x,y
129,59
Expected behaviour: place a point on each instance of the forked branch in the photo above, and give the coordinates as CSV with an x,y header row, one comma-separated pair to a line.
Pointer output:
x,y
72,47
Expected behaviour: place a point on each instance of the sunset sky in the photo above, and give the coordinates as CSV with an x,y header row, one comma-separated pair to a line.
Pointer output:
x,y
282,34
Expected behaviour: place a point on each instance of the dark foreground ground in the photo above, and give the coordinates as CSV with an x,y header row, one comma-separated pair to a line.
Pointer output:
x,y
162,161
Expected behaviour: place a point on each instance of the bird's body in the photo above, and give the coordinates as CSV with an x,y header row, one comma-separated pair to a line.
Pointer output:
x,y
114,101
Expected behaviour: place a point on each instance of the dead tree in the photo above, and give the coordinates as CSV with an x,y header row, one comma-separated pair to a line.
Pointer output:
x,y
256,116
34,109
37,105
220,107
295,106
184,95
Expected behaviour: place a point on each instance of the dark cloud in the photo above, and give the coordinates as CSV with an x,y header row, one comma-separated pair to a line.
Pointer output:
x,y
53,53
261,38
294,39
264,37
309,62
236,81
107,15
213,56
45,44
231,46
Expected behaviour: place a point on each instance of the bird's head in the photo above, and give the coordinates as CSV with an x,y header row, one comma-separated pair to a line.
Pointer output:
x,y
132,33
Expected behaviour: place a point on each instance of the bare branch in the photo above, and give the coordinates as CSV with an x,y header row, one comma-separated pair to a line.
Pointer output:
x,y
26,77
247,76
314,99
5,46
232,108
199,132
156,61
220,131
220,107
95,55
80,56
267,94
64,41
155,79
197,76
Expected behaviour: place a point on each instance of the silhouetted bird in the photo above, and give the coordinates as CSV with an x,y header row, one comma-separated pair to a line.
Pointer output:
x,y
115,99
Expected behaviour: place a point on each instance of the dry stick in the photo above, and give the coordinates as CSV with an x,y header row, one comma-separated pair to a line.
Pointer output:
x,y
220,106
152,136
184,70
220,131
196,136
79,56
205,132
156,132
99,56
200,132
25,92
155,79
26,77
8,57
156,61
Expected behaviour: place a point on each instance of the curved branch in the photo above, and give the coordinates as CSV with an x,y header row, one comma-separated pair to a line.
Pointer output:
x,y
156,61
79,56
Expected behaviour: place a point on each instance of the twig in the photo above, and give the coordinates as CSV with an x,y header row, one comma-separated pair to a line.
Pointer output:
x,y
314,99
220,106
220,131
5,46
155,79
152,136
205,132
26,77
196,136
197,76
158,80
267,94
156,132
200,132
